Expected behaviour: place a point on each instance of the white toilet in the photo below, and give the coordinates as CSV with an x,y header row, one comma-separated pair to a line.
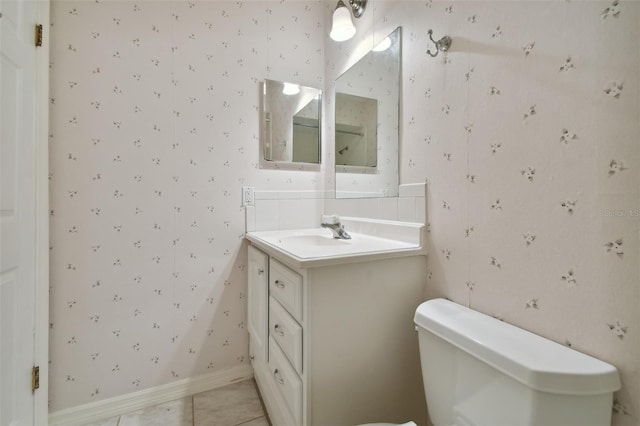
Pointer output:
x,y
478,370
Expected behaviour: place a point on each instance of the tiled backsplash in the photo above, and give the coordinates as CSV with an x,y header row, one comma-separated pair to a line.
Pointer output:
x,y
303,209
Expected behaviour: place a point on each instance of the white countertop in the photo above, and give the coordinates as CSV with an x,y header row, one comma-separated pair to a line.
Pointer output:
x,y
313,247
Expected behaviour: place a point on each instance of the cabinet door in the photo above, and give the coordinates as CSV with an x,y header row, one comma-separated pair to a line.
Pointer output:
x,y
258,317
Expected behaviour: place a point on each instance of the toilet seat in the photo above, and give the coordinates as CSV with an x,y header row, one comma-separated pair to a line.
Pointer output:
x,y
390,424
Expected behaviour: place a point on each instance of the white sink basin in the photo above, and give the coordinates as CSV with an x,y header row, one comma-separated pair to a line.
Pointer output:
x,y
315,246
310,240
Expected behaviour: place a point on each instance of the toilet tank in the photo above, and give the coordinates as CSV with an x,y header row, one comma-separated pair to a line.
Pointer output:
x,y
478,370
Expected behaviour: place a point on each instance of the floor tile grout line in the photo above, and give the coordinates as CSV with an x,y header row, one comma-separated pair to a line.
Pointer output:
x,y
263,415
250,420
264,407
193,411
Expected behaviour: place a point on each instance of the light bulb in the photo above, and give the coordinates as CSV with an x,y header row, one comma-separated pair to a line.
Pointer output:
x,y
383,45
290,89
342,28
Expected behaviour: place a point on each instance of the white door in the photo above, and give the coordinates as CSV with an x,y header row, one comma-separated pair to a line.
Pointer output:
x,y
18,213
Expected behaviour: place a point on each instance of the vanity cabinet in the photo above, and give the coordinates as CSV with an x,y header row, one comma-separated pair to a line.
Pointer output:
x,y
258,276
335,344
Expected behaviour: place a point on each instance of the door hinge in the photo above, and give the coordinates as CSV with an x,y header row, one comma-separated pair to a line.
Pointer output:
x,y
39,30
35,378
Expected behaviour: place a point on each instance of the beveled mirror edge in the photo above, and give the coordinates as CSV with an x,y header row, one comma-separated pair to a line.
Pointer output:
x,y
373,170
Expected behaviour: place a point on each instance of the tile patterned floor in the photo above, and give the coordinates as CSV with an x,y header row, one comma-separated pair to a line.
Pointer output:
x,y
232,405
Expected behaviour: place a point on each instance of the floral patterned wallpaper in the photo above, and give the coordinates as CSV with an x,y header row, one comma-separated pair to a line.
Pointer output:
x,y
527,133
154,124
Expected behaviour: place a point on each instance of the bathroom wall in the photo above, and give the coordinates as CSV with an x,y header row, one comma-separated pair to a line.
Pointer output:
x,y
527,133
154,124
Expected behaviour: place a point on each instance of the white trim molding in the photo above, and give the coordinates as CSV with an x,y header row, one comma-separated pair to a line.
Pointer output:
x,y
134,401
41,351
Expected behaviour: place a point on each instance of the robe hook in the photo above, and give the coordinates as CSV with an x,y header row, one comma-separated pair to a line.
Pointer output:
x,y
442,45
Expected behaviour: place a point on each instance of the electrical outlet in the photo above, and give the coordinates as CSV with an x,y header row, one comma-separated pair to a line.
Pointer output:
x,y
248,198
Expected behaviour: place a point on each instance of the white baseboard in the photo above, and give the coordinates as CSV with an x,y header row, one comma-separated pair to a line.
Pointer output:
x,y
134,401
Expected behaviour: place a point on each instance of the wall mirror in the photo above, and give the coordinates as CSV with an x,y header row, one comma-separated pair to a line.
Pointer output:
x,y
367,114
291,122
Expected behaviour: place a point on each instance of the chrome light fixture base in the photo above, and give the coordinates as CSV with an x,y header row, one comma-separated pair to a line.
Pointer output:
x,y
358,7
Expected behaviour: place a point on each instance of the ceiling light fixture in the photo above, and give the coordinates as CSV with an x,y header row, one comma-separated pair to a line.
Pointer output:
x,y
342,28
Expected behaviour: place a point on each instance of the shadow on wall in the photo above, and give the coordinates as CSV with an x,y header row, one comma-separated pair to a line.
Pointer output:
x,y
440,283
544,61
214,352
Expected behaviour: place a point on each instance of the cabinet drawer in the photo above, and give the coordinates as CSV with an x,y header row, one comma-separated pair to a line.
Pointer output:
x,y
286,286
287,381
287,332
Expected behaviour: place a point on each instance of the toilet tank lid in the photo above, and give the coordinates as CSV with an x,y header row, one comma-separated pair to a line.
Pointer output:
x,y
530,359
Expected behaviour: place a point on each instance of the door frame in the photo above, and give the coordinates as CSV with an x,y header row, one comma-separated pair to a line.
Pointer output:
x,y
41,332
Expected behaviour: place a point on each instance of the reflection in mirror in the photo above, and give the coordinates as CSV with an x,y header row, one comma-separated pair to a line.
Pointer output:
x,y
367,123
356,133
291,124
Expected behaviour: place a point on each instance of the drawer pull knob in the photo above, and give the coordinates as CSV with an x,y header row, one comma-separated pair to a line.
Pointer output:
x,y
279,284
278,330
279,379
260,271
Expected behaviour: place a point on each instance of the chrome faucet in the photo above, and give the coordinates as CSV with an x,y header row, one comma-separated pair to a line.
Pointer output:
x,y
332,222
